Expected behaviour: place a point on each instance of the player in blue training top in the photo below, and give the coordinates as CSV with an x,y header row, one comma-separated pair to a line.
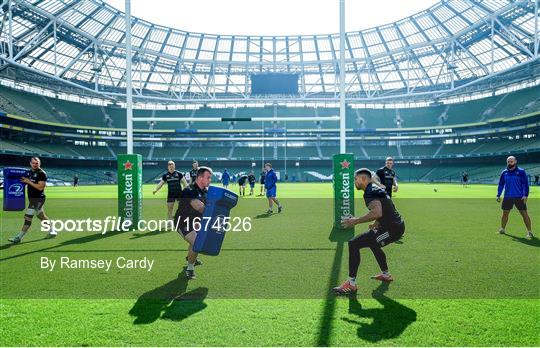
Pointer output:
x,y
225,178
515,184
270,181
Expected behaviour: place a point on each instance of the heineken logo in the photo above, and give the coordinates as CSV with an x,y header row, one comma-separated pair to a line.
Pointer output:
x,y
345,194
128,196
343,187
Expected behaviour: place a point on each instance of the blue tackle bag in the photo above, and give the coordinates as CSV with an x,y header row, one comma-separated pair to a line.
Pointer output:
x,y
214,222
14,188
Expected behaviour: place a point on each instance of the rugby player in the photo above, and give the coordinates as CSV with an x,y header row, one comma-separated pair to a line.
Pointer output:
x,y
386,177
251,179
225,178
193,172
270,181
75,181
515,184
242,184
175,183
387,228
35,181
189,214
465,179
261,181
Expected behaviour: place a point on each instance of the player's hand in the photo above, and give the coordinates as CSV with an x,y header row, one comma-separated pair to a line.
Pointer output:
x,y
382,186
25,180
348,222
395,188
524,199
373,226
498,199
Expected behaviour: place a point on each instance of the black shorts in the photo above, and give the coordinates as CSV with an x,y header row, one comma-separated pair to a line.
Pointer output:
x,y
35,205
508,204
173,197
386,235
261,182
185,225
252,184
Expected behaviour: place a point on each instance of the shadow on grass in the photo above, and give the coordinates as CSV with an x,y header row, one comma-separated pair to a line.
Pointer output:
x,y
169,301
325,326
263,216
535,242
387,322
76,241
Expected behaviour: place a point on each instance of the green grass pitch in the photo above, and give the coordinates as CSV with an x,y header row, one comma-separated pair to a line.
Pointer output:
x,y
457,283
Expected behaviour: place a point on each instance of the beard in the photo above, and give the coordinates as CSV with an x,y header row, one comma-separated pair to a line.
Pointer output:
x,y
511,166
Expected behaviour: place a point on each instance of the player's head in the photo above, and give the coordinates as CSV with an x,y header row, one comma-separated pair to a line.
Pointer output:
x,y
195,164
267,166
362,178
389,162
35,162
511,162
171,166
204,177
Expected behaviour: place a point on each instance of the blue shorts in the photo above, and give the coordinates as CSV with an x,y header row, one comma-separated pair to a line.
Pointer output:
x,y
271,192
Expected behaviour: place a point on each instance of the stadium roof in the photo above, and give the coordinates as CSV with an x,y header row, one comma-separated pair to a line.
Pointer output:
x,y
447,47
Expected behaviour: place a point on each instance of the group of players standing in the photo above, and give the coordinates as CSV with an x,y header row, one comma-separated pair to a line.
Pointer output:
x,y
243,180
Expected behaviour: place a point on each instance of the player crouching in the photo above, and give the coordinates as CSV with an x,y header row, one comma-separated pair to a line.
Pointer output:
x,y
189,214
387,228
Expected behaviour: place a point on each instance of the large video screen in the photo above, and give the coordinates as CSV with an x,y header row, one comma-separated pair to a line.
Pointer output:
x,y
274,83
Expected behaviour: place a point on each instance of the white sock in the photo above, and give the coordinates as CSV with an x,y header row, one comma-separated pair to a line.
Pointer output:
x,y
352,281
21,235
501,229
190,266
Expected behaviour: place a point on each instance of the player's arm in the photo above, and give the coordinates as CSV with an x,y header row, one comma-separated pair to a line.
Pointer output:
x,y
395,186
376,179
525,186
500,187
40,185
375,212
198,205
184,182
158,186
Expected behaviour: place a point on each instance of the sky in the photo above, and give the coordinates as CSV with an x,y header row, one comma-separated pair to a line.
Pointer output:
x,y
275,17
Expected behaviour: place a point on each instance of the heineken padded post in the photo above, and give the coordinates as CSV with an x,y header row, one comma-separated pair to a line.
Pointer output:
x,y
219,203
130,188
343,184
14,188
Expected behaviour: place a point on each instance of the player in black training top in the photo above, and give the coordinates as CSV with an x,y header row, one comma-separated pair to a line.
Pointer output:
x,y
242,184
175,183
465,179
386,177
35,181
193,172
262,177
252,180
387,228
188,217
75,181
